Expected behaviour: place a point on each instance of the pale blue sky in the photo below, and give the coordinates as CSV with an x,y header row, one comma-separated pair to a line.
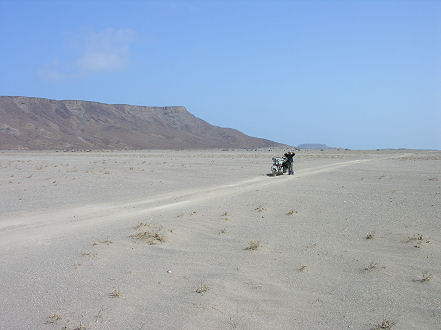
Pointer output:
x,y
356,74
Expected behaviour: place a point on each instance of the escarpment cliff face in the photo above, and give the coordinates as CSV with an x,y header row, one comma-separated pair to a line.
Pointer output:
x,y
37,123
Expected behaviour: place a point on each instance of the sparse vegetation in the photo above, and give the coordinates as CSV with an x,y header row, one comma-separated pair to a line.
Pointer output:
x,y
115,293
254,245
385,324
201,289
107,241
419,239
152,236
292,212
371,266
260,209
89,254
223,231
425,278
141,224
54,318
370,235
416,237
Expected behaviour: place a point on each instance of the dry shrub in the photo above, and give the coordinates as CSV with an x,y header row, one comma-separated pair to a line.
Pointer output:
x,y
371,266
89,254
426,277
419,239
292,212
54,318
254,245
223,231
302,268
224,214
141,224
201,289
370,235
115,293
385,324
416,237
151,236
260,209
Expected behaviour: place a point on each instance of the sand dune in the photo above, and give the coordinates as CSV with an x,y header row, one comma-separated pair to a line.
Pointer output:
x,y
206,239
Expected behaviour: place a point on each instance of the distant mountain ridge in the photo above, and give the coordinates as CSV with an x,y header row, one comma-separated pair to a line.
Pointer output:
x,y
39,123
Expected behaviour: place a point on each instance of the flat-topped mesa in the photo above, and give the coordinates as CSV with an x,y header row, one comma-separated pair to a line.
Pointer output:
x,y
141,108
158,108
39,123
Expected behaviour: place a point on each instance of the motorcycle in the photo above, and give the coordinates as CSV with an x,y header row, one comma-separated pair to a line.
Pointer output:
x,y
280,165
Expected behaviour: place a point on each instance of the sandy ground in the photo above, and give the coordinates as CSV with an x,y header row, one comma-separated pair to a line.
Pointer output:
x,y
350,241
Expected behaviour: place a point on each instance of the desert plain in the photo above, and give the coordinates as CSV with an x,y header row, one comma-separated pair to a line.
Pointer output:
x,y
208,240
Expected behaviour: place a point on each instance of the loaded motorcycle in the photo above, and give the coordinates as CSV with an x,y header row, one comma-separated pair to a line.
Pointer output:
x,y
280,165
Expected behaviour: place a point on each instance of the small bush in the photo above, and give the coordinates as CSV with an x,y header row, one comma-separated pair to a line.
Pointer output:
x,y
254,245
260,209
371,266
115,293
370,235
54,318
426,277
201,289
385,324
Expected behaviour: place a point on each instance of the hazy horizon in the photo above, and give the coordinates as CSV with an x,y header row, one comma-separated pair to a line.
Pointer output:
x,y
358,75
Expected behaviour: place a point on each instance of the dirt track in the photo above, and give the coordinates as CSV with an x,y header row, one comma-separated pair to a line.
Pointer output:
x,y
66,222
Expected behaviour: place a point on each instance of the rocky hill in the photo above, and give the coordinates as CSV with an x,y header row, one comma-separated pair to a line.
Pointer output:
x,y
37,123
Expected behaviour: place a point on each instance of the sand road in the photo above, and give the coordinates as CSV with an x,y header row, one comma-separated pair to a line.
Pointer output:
x,y
70,255
32,229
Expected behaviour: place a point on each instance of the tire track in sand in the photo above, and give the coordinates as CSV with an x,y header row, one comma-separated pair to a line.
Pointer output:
x,y
25,230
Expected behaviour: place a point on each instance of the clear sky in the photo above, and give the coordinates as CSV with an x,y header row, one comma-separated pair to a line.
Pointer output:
x,y
356,74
